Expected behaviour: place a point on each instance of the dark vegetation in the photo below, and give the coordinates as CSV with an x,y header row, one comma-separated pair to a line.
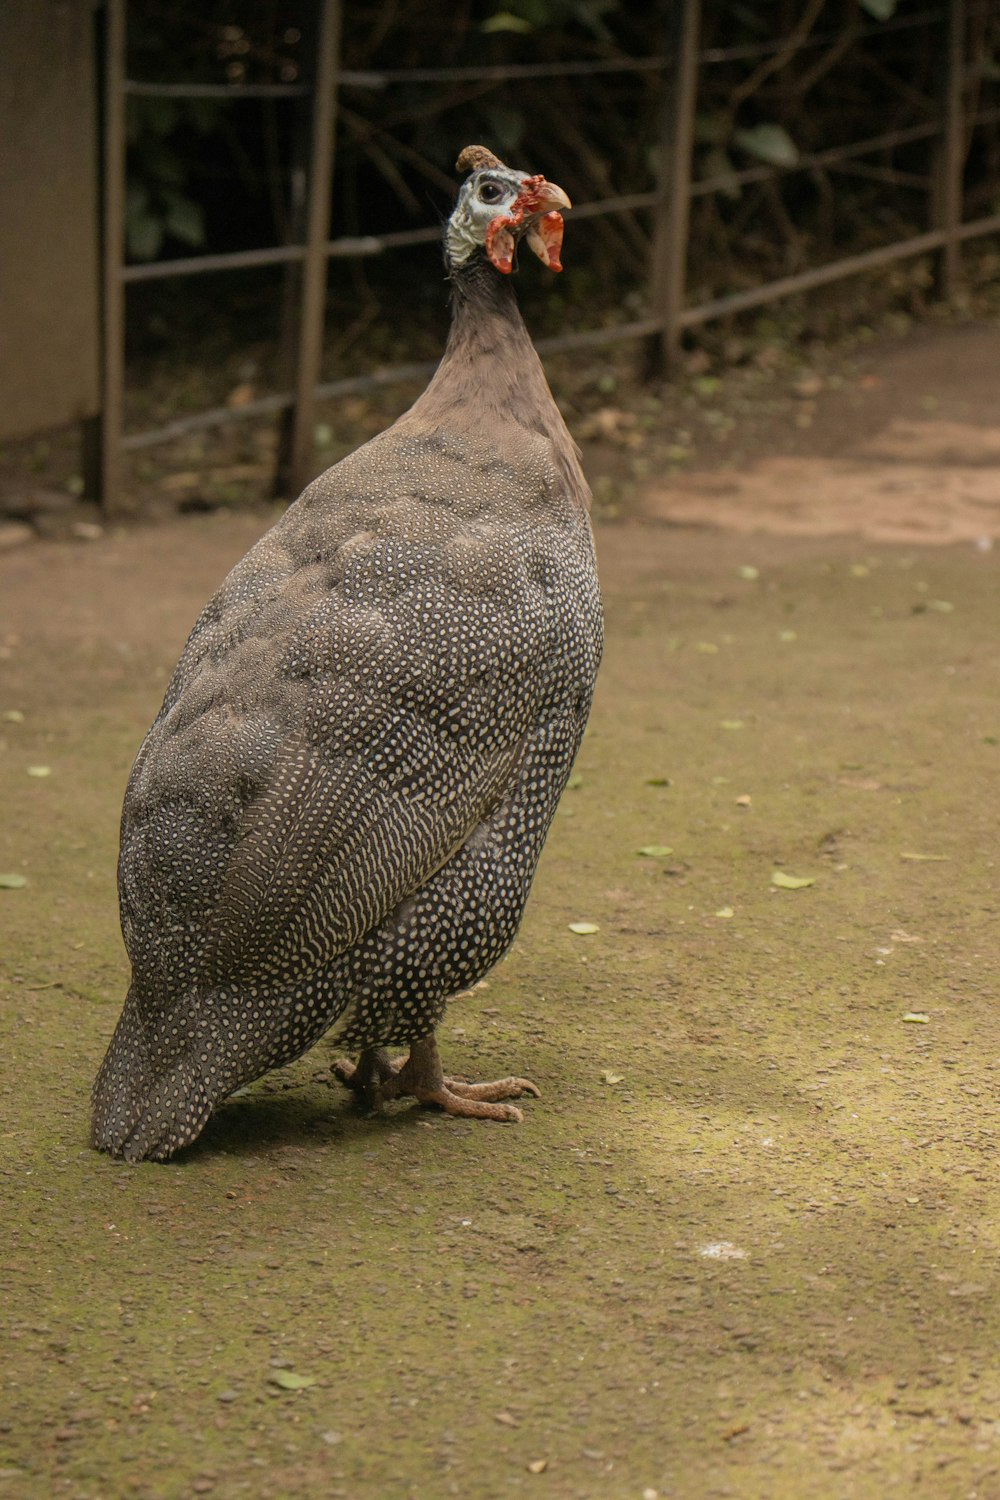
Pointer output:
x,y
215,175
780,83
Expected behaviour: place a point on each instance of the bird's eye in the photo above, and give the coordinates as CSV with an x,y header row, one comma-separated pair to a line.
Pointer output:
x,y
490,192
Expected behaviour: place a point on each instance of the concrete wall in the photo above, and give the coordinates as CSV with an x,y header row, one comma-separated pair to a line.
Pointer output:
x,y
49,271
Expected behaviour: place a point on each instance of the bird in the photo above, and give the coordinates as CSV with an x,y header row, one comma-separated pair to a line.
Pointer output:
x,y
333,823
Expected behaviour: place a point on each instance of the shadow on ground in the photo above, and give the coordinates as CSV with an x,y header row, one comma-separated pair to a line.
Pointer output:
x,y
746,1243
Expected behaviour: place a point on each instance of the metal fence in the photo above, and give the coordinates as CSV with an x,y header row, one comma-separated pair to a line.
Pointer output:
x,y
669,202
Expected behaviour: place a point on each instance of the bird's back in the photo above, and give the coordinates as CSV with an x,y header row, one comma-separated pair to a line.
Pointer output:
x,y
350,705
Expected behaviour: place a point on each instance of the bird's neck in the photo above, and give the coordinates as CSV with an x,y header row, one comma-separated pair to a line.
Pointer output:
x,y
489,368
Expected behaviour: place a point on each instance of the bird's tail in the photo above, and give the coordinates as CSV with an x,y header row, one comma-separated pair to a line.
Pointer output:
x,y
147,1106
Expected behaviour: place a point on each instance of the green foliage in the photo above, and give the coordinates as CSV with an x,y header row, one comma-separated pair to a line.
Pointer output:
x,y
769,143
523,16
505,20
157,207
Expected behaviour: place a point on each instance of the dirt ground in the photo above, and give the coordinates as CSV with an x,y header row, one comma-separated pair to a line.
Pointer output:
x,y
745,1245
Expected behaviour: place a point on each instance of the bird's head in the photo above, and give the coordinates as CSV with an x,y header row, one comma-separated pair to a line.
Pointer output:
x,y
497,207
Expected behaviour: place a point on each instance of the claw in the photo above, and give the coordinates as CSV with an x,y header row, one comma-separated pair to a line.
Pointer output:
x,y
420,1076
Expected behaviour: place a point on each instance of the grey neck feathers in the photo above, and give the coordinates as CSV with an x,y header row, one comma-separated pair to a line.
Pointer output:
x,y
490,370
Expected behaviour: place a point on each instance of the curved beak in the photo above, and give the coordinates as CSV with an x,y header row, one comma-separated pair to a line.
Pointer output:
x,y
541,196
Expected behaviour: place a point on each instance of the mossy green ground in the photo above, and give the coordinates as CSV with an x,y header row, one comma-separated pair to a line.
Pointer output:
x,y
745,1244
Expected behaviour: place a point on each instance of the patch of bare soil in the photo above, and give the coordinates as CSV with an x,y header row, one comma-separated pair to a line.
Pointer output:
x,y
906,449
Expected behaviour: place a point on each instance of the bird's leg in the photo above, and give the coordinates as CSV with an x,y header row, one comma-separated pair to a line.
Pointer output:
x,y
370,1076
421,1077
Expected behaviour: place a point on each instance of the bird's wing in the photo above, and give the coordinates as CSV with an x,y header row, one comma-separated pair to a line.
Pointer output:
x,y
334,732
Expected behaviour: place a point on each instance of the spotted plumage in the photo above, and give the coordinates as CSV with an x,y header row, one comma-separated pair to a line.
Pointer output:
x,y
333,823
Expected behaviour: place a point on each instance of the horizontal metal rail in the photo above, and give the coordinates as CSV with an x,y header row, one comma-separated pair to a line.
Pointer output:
x,y
216,416
349,246
502,72
231,91
196,265
835,270
592,338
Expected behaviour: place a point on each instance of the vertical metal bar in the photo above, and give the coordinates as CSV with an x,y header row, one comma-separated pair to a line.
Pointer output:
x,y
102,441
949,162
297,460
670,228
296,227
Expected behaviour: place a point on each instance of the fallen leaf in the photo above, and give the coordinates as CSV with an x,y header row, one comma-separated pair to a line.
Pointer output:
x,y
583,929
917,1017
749,572
39,771
538,1466
608,1077
12,882
787,635
655,851
658,781
725,911
505,1419
786,882
733,1432
899,936
731,724
289,1381
745,801
943,606
13,716
930,859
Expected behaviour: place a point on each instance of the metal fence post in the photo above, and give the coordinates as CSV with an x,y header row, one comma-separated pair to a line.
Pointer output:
x,y
103,434
297,459
949,159
670,228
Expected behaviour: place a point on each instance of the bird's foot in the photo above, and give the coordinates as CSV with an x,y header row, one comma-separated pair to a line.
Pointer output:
x,y
420,1076
478,1101
370,1077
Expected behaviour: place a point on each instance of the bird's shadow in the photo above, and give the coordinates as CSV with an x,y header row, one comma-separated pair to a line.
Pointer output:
x,y
265,1118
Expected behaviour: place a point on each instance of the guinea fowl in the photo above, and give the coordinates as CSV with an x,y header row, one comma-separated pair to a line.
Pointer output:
x,y
334,821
